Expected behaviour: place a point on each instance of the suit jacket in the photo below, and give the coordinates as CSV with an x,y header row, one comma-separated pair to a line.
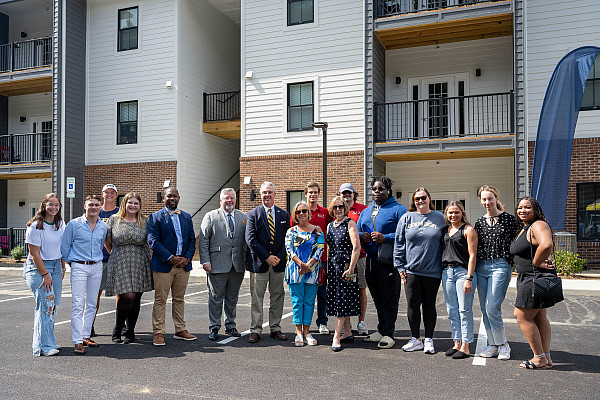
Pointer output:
x,y
163,240
257,237
218,247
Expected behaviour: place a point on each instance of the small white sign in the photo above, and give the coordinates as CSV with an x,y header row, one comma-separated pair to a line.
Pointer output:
x,y
70,195
71,187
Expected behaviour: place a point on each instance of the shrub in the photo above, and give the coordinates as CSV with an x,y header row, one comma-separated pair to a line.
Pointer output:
x,y
568,263
17,253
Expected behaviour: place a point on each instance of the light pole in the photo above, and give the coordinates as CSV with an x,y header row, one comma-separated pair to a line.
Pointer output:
x,y
323,126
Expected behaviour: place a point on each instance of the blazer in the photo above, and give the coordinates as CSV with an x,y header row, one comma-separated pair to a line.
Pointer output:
x,y
257,237
218,247
163,240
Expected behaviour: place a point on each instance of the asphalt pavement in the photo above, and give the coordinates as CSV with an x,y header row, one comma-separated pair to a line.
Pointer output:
x,y
234,369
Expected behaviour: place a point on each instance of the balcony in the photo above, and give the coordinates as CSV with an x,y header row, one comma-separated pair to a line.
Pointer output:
x,y
445,127
26,67
410,23
221,114
25,156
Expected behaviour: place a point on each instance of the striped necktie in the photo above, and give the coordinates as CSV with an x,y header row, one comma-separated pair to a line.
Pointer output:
x,y
271,226
230,222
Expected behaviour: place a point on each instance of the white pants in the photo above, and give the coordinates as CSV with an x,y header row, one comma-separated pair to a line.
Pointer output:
x,y
85,279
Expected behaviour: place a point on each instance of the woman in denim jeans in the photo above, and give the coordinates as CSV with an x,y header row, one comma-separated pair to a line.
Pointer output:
x,y
44,271
495,230
458,261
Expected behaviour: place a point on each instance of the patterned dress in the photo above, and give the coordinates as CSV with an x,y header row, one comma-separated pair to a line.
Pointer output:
x,y
129,262
342,295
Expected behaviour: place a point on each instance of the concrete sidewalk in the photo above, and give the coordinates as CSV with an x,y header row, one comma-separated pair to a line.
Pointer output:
x,y
581,287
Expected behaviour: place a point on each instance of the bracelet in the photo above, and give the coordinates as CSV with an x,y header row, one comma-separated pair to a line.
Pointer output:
x,y
43,275
470,279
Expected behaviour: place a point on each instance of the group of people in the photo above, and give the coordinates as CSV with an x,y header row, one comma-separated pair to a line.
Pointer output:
x,y
327,256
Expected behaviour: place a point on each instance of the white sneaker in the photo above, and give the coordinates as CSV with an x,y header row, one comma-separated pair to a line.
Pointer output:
x,y
413,344
49,353
323,330
428,346
299,340
361,328
489,351
311,340
504,352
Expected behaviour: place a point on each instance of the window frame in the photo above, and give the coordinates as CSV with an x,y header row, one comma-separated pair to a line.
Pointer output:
x,y
302,22
289,107
137,113
120,30
581,209
288,197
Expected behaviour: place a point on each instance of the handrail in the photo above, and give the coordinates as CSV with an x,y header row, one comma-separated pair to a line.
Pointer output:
x,y
28,54
224,106
389,8
25,148
215,193
11,238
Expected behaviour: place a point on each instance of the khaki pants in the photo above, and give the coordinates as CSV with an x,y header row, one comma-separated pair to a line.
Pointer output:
x,y
258,287
175,281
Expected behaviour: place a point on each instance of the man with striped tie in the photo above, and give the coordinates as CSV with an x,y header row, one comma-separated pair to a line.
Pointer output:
x,y
265,234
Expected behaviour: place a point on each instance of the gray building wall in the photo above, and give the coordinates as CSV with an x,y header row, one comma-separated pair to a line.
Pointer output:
x,y
521,156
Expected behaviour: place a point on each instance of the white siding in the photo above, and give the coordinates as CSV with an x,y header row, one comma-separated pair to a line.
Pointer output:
x,y
209,61
461,175
131,75
554,28
29,106
329,52
31,192
493,56
36,23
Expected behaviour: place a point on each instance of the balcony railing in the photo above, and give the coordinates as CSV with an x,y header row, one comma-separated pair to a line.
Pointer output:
x,y
389,8
221,106
445,117
17,56
25,148
11,238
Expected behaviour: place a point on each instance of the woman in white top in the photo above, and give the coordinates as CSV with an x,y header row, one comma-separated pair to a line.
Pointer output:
x,y
44,271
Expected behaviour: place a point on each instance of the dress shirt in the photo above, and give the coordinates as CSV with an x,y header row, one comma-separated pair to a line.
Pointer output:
x,y
177,225
80,243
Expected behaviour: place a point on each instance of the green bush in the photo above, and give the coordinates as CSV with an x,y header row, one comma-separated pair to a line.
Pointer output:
x,y
17,253
568,263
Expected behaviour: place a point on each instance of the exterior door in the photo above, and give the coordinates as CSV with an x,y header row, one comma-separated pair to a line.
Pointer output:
x,y
441,199
41,144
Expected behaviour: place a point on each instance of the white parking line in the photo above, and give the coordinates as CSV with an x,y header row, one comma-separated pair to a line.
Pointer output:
x,y
16,298
481,345
12,282
232,338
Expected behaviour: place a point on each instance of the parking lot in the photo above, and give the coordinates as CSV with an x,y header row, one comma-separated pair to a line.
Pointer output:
x,y
233,369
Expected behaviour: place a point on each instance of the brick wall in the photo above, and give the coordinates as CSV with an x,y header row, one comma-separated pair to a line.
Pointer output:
x,y
584,168
144,178
293,171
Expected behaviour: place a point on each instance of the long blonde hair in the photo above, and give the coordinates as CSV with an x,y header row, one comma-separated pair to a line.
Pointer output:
x,y
123,209
494,191
459,204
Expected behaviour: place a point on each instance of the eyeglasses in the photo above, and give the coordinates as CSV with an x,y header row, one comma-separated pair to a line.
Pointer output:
x,y
422,198
337,207
303,211
378,188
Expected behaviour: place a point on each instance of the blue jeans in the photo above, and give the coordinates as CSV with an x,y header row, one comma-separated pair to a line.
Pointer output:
x,y
303,302
493,278
458,303
322,301
45,303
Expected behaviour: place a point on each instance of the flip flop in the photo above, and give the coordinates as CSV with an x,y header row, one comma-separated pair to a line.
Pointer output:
x,y
530,365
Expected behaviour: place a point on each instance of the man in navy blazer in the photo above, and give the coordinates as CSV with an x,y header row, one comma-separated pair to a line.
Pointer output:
x,y
266,261
171,238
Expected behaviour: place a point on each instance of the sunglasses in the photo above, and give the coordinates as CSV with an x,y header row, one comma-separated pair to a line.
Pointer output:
x,y
422,198
347,192
378,188
303,211
338,207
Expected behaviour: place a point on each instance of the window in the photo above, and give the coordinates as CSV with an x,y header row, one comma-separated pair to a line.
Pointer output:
x,y
293,197
300,12
591,94
588,212
128,29
300,106
127,122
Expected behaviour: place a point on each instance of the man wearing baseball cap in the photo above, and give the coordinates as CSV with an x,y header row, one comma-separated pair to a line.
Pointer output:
x,y
349,195
110,194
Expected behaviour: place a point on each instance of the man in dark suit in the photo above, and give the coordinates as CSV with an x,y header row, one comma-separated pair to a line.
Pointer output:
x,y
223,256
171,238
265,234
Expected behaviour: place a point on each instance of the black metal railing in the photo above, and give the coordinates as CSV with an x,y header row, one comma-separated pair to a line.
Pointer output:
x,y
25,148
218,191
389,8
11,238
221,106
444,117
17,56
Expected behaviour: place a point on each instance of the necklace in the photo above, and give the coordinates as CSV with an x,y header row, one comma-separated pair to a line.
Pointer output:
x,y
337,224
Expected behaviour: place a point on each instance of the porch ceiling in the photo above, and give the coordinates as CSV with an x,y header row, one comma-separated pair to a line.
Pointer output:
x,y
26,171
223,129
480,27
18,87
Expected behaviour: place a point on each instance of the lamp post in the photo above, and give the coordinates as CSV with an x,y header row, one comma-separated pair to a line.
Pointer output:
x,y
323,126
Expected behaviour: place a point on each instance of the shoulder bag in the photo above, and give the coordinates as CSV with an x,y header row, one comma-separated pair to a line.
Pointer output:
x,y
545,284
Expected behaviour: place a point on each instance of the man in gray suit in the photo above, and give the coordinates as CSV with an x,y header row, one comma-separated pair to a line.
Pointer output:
x,y
223,256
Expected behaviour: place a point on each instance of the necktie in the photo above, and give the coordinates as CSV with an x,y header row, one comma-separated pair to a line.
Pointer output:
x,y
271,226
175,212
230,222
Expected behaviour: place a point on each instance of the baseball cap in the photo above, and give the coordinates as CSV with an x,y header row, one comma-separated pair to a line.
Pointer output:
x,y
110,186
346,186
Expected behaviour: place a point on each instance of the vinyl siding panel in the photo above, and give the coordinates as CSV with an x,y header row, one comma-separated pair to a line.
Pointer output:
x,y
29,106
547,45
31,192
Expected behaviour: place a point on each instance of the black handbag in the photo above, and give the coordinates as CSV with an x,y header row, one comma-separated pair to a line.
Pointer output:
x,y
385,253
545,284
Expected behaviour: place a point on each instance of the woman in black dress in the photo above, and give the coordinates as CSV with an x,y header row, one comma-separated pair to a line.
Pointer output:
x,y
534,239
343,243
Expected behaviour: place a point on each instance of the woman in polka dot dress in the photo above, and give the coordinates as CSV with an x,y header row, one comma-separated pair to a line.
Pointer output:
x,y
342,286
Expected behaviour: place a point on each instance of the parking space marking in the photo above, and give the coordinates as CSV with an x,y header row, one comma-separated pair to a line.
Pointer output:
x,y
247,332
481,345
16,298
12,283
